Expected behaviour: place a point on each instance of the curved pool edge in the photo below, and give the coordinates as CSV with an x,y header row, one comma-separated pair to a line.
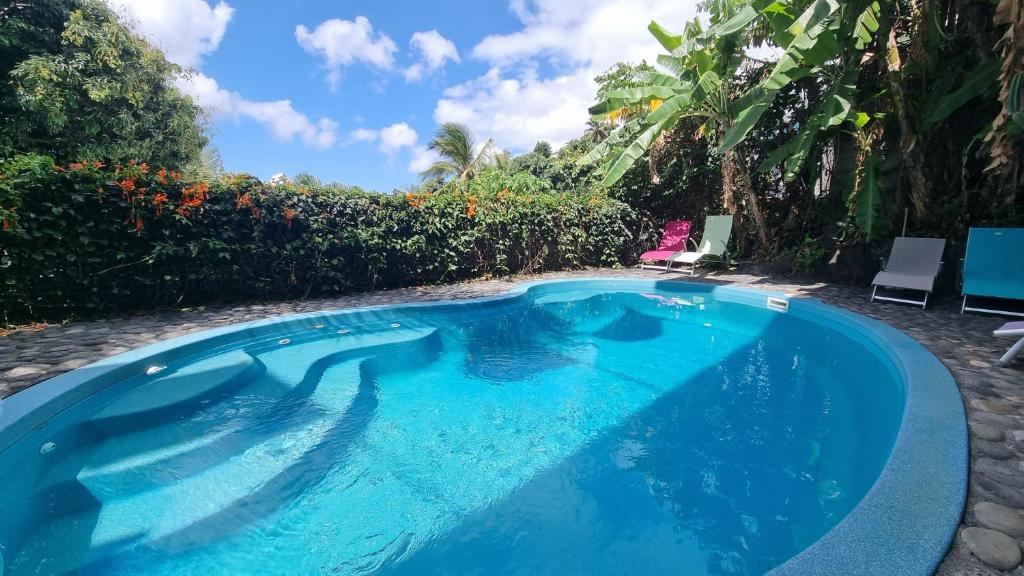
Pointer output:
x,y
904,524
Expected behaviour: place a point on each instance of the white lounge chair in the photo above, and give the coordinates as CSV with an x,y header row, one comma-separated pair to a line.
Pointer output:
x,y
913,264
1012,330
712,247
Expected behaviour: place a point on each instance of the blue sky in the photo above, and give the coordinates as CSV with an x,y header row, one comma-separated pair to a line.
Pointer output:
x,y
352,91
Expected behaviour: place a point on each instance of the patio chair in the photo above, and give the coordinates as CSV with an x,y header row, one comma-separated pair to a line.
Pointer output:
x,y
712,247
1013,330
673,241
993,268
913,264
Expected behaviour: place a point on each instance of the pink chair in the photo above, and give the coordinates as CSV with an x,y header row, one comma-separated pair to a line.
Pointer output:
x,y
673,241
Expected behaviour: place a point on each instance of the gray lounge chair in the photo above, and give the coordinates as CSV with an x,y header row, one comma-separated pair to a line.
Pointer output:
x,y
913,264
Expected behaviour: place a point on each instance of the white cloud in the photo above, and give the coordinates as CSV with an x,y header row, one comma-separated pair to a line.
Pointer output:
x,y
343,42
364,135
186,30
594,33
395,137
517,112
422,158
392,139
280,118
577,39
434,50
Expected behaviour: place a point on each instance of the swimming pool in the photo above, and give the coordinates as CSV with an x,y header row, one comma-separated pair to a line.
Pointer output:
x,y
590,427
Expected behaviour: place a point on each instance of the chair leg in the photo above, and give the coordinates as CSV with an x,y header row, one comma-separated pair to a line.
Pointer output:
x,y
874,289
963,305
1011,353
925,303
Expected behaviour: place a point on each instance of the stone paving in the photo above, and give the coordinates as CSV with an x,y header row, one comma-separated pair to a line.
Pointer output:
x,y
988,542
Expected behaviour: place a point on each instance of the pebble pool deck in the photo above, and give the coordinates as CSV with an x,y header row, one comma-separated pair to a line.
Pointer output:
x,y
989,538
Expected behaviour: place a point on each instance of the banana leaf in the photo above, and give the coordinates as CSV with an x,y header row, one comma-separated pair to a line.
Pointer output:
x,y
667,39
979,81
625,159
618,99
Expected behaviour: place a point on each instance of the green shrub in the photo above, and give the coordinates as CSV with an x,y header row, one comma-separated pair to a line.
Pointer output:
x,y
86,238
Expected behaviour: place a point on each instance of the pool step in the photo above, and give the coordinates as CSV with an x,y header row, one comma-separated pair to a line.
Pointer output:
x,y
173,394
300,383
297,367
181,495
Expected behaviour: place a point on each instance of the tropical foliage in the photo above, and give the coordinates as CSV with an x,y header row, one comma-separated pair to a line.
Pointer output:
x,y
79,84
86,237
866,108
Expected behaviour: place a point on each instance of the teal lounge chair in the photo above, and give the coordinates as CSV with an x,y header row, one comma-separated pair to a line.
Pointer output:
x,y
712,247
994,267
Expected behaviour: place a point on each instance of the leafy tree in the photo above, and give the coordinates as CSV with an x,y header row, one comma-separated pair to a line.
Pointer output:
x,y
26,29
460,159
533,163
542,148
92,89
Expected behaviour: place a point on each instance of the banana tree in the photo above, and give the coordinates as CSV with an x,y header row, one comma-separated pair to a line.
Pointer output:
x,y
836,42
702,65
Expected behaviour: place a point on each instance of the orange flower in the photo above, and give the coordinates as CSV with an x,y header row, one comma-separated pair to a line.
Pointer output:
x,y
97,165
144,167
159,200
76,165
58,169
6,224
471,208
415,200
127,185
289,215
186,207
161,175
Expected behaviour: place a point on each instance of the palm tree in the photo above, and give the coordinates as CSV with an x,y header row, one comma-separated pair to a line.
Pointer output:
x,y
502,160
597,131
460,159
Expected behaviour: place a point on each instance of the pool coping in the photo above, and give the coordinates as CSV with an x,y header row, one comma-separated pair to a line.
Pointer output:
x,y
903,525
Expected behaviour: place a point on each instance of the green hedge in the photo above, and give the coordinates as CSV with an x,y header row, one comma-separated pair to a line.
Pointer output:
x,y
87,238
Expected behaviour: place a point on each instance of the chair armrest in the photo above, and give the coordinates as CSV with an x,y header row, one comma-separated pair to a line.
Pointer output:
x,y
881,263
695,245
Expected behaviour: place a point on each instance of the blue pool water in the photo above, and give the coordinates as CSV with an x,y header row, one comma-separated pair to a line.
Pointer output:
x,y
578,431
